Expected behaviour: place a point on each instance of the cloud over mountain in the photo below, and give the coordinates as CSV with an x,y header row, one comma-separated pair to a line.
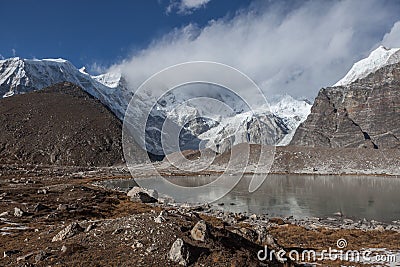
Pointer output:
x,y
392,39
284,49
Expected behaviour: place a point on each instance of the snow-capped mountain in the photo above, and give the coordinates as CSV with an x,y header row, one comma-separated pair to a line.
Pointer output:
x,y
248,127
378,58
292,112
215,126
23,75
362,112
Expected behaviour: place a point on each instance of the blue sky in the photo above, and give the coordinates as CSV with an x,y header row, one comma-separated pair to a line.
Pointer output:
x,y
95,31
285,46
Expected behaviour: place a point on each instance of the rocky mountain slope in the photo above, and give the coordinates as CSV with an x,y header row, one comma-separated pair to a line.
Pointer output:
x,y
61,125
21,75
363,113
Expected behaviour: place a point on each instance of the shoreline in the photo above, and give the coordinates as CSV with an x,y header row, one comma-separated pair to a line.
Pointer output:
x,y
333,221
143,168
39,204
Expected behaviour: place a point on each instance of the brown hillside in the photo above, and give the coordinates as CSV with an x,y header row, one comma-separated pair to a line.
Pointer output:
x,y
60,125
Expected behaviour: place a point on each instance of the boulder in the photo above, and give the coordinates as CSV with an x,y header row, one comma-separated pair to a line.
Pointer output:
x,y
18,212
138,194
179,252
69,231
160,218
200,232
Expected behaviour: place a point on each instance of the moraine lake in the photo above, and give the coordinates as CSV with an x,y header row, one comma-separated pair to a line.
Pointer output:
x,y
301,196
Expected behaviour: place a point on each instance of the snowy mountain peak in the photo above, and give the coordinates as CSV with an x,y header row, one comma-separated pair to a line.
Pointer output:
x,y
110,79
202,121
378,58
83,70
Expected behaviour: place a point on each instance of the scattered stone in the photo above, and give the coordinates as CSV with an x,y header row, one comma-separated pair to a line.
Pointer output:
x,y
69,231
90,227
253,217
4,214
40,256
380,228
137,244
262,234
42,191
138,194
240,217
9,253
348,221
117,231
270,241
166,200
331,219
179,252
185,205
25,257
246,233
160,218
39,207
200,231
64,249
339,214
151,248
62,207
18,212
278,221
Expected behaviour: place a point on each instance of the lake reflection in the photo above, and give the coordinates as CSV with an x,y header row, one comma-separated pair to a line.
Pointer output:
x,y
302,196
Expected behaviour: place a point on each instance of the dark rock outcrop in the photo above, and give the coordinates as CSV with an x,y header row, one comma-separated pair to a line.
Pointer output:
x,y
365,113
60,125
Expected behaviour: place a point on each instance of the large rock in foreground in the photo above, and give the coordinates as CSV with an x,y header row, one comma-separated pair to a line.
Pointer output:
x,y
365,113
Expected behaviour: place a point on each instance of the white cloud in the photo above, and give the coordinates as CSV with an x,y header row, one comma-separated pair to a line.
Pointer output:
x,y
295,52
14,52
185,6
392,38
96,68
1,57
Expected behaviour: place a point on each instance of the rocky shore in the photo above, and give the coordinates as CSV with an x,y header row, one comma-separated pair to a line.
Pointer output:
x,y
57,216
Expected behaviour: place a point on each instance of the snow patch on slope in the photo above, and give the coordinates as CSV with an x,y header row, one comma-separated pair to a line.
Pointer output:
x,y
378,58
292,112
110,79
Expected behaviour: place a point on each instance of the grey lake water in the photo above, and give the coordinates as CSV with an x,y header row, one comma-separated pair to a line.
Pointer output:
x,y
301,196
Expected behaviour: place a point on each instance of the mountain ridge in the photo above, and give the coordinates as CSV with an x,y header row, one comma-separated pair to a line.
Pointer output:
x,y
376,60
23,75
364,113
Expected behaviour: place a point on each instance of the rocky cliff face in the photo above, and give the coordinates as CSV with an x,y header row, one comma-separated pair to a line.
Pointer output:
x,y
365,113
